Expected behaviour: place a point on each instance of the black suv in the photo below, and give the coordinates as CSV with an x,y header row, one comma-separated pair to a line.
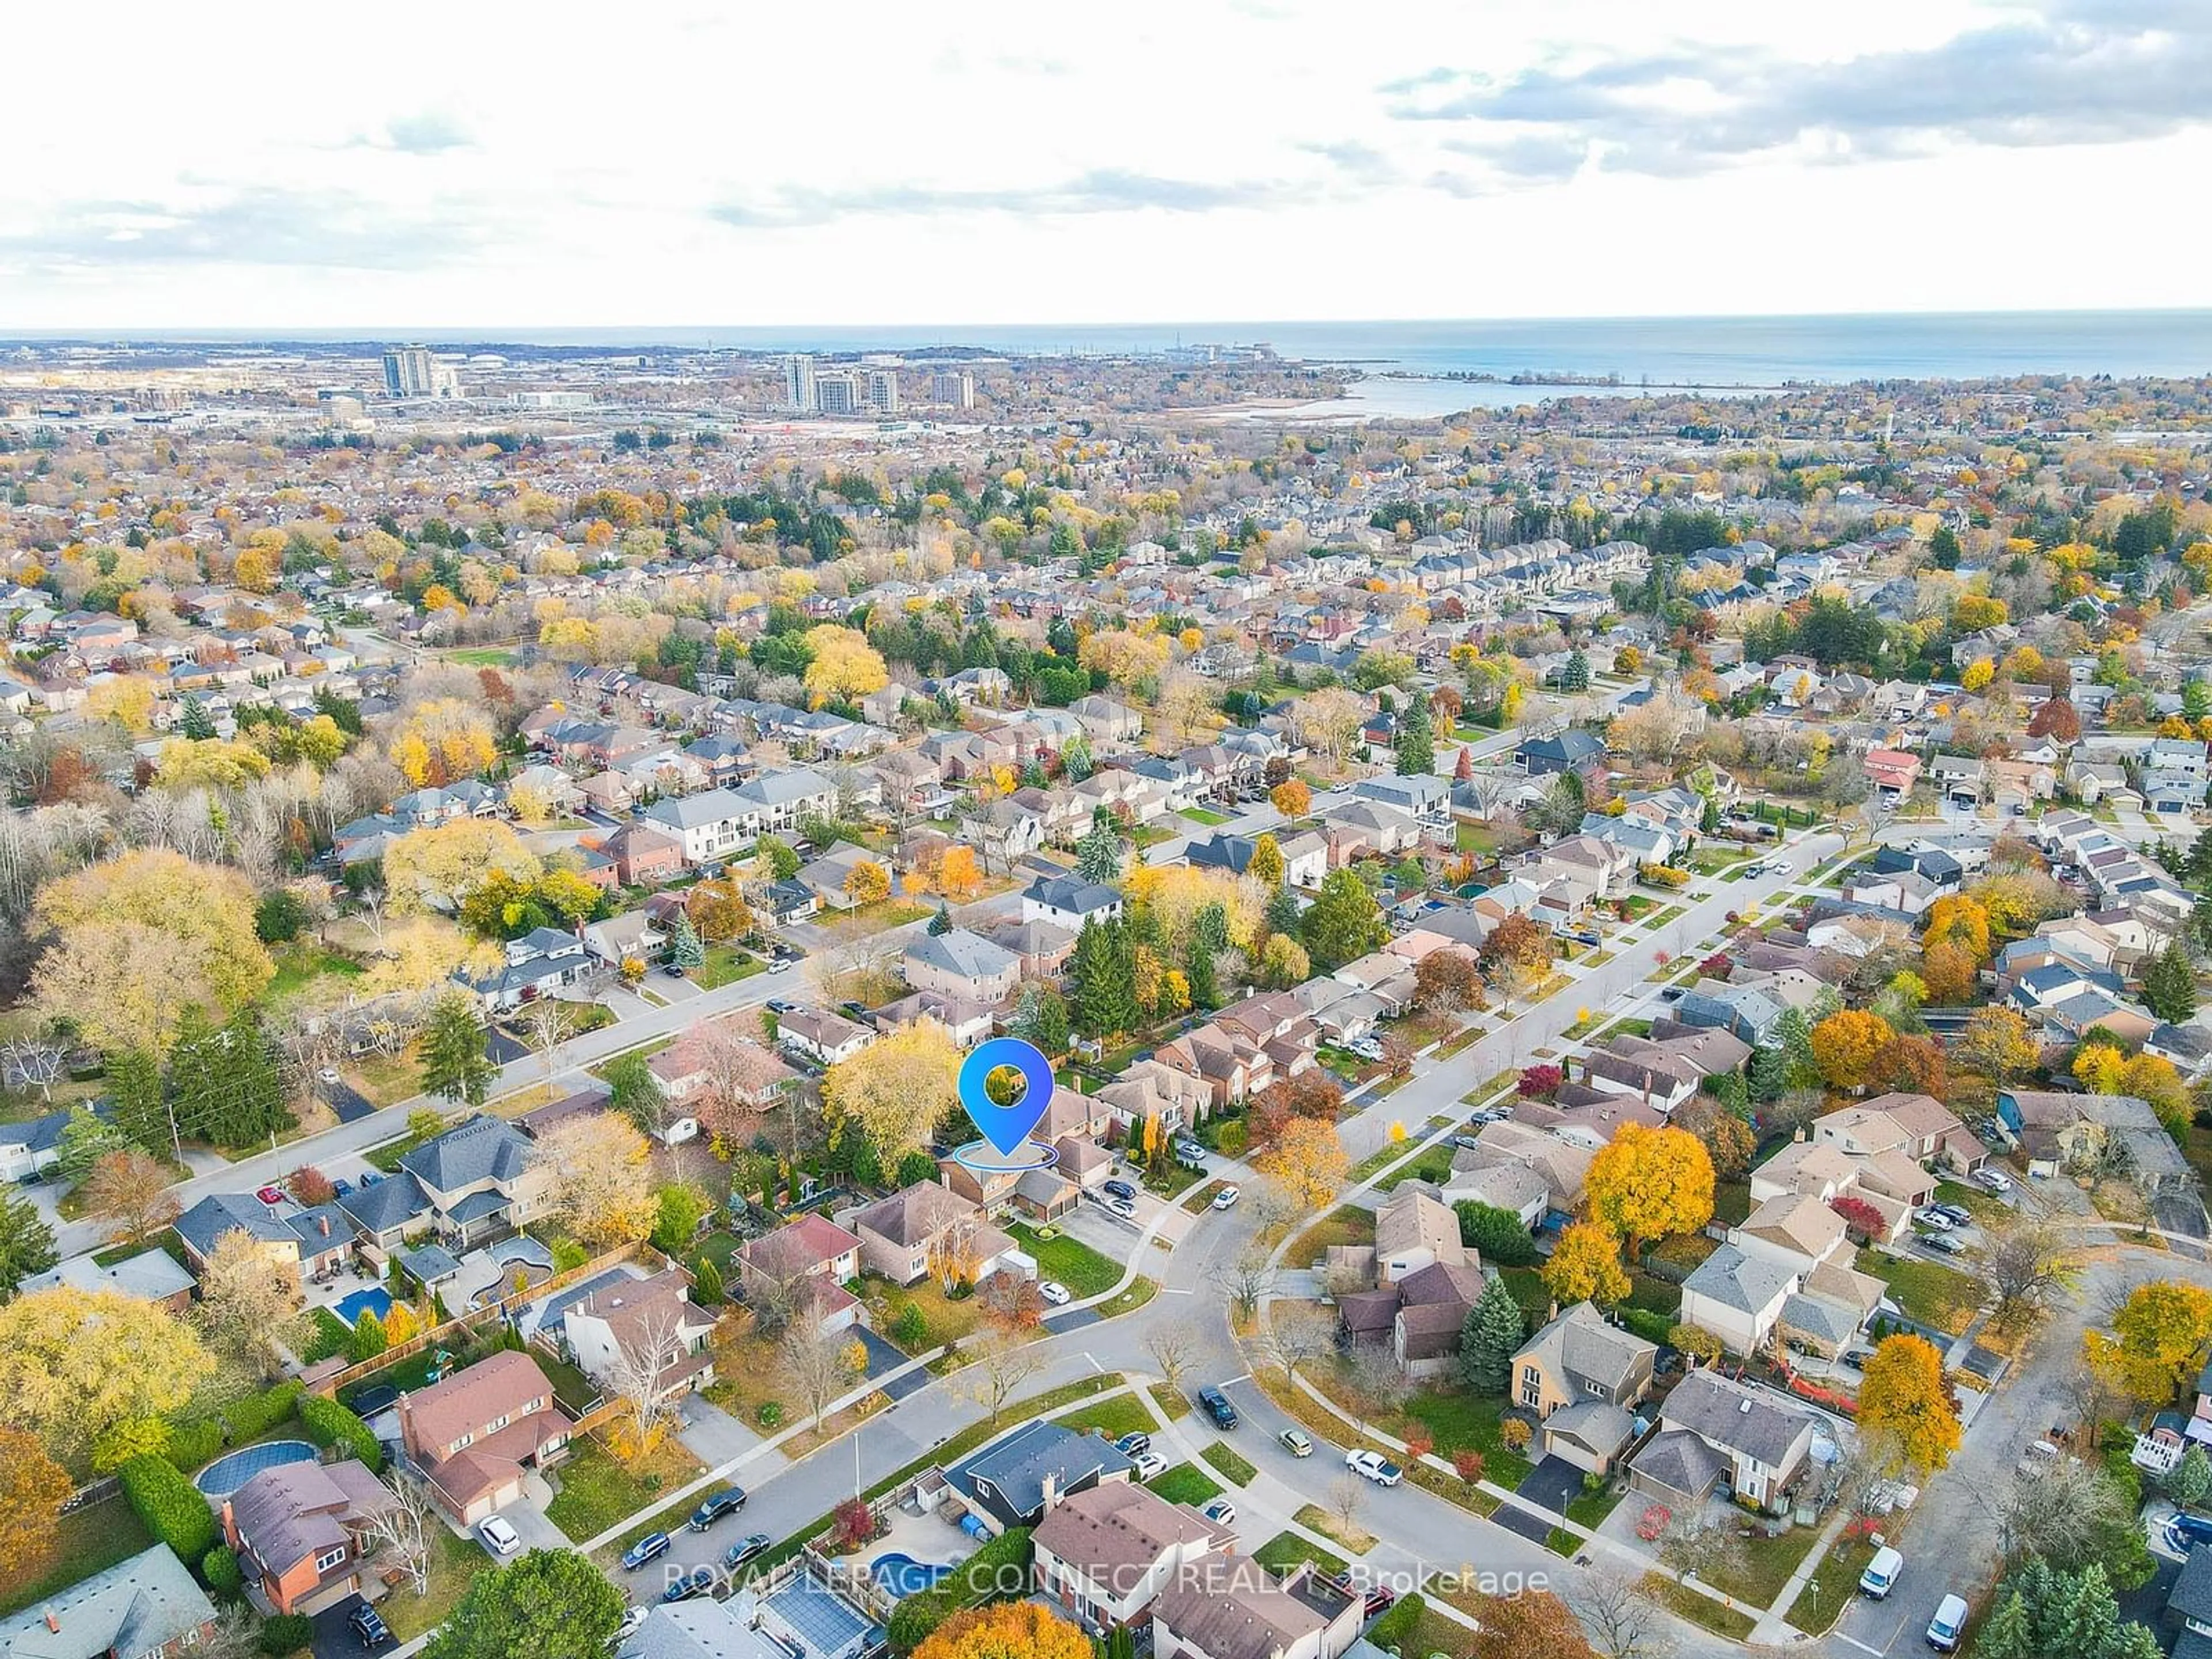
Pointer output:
x,y
1215,1403
368,1624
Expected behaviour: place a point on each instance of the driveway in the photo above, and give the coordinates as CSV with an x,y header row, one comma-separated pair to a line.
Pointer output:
x,y
713,1434
345,1101
334,1637
1552,1483
1527,1522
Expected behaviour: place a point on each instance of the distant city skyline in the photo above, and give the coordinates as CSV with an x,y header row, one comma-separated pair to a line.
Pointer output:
x,y
1255,159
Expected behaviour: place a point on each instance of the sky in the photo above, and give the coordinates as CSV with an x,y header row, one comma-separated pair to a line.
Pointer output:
x,y
260,167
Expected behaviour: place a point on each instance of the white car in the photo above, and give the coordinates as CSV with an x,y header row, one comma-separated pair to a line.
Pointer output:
x,y
498,1537
1929,1216
1995,1180
1779,867
328,1074
780,965
1373,1466
1221,1512
631,1619
1226,1198
1054,1293
1149,1463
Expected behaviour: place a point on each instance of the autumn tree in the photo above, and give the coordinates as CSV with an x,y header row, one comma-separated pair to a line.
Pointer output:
x,y
1585,1267
893,1092
1265,864
32,1489
2159,1341
1911,1065
1308,1158
1006,1629
1328,721
128,1191
1292,798
443,741
440,866
246,1298
1954,919
867,883
1728,1140
1906,1404
2025,1261
1997,1043
1447,982
1534,1623
1650,1183
1844,1045
73,1364
601,1185
845,668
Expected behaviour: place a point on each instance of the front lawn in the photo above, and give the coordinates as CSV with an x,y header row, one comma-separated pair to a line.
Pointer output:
x,y
1172,1405
1204,814
1346,1224
1457,1418
1697,1608
87,1541
1123,1414
1286,1549
1354,1538
1762,1565
1070,1260
1834,1588
1170,1178
726,965
453,1562
1434,1164
1985,1208
1230,1461
1186,1483
599,1491
943,1319
1927,1292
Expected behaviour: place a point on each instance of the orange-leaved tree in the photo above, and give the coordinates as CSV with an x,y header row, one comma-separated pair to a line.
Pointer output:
x,y
1650,1183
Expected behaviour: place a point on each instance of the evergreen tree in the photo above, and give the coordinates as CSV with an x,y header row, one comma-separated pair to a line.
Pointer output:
x,y
707,1289
1283,912
1417,742
1098,854
1575,675
684,949
2191,1483
1769,1074
2197,866
26,1244
2008,1634
1793,1033
134,1092
1343,923
1041,1019
1492,1333
941,923
2169,985
1204,993
193,720
255,1107
1102,977
1209,928
454,1063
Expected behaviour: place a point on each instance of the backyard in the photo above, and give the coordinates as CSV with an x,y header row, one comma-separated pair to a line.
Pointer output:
x,y
87,1541
1070,1260
1345,1225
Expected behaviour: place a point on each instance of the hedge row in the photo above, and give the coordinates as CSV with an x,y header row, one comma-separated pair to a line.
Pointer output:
x,y
329,1423
194,1445
976,1580
173,1509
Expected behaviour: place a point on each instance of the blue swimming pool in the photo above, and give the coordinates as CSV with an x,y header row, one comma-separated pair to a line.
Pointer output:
x,y
226,1474
902,1576
373,1300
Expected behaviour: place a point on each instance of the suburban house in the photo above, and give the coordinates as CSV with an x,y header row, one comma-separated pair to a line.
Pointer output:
x,y
962,964
1507,1165
1886,1181
1583,1377
28,1147
825,1037
641,1327
536,965
300,1531
154,1276
1232,1607
642,855
924,1228
1788,1264
476,1435
479,1179
1664,1072
146,1606
1017,1479
810,1258
1412,1288
1920,1126
1104,1555
1069,901
1715,1432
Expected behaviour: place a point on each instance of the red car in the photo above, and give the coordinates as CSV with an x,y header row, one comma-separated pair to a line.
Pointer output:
x,y
271,1195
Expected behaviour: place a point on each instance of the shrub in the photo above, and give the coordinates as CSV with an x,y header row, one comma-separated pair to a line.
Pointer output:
x,y
1652,1327
329,1423
287,1632
853,1525
1467,1464
193,1445
770,1414
1498,1234
916,1619
569,1256
911,1328
255,1415
1230,1139
1515,1433
118,1442
171,1506
218,1567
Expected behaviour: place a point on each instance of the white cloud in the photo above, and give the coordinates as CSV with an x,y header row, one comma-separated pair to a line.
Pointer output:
x,y
1259,160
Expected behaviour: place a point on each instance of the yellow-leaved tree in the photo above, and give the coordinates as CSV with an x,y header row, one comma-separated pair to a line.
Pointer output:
x,y
1585,1266
75,1363
1308,1161
1845,1046
893,1092
1006,1629
598,1181
1650,1183
443,741
2158,1342
845,665
449,861
1904,1405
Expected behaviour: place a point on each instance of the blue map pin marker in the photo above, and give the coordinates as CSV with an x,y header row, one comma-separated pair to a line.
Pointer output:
x,y
1007,1126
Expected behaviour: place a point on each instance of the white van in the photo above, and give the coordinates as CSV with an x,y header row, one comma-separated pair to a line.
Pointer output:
x,y
1948,1624
1880,1576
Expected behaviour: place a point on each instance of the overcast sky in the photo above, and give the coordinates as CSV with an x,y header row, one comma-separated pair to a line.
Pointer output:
x,y
462,164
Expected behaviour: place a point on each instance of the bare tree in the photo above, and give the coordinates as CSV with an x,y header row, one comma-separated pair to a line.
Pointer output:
x,y
648,1374
1247,1283
1621,1621
550,1022
817,1367
1695,1549
956,1252
32,1063
1298,1336
1346,1498
1173,1348
2094,1398
999,1367
2113,1293
2027,1263
401,1527
2064,1511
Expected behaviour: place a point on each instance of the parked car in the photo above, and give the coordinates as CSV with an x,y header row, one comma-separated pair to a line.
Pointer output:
x,y
1226,1198
673,969
1054,1293
1960,1216
1130,1445
498,1537
1670,993
650,1547
1929,1216
1780,867
1945,1244
1881,1575
1586,938
781,1006
1221,1511
1373,1466
1125,1208
780,966
1189,1151
1468,1143
341,1186
728,1501
1297,1440
1119,1190
368,1624
1149,1464
696,1582
633,1616
745,1548
1995,1180
1215,1403
1948,1624
270,1194
330,1075
1377,1598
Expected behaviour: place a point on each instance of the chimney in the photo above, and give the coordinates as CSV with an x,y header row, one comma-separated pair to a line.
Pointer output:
x,y
324,1223
1051,1489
